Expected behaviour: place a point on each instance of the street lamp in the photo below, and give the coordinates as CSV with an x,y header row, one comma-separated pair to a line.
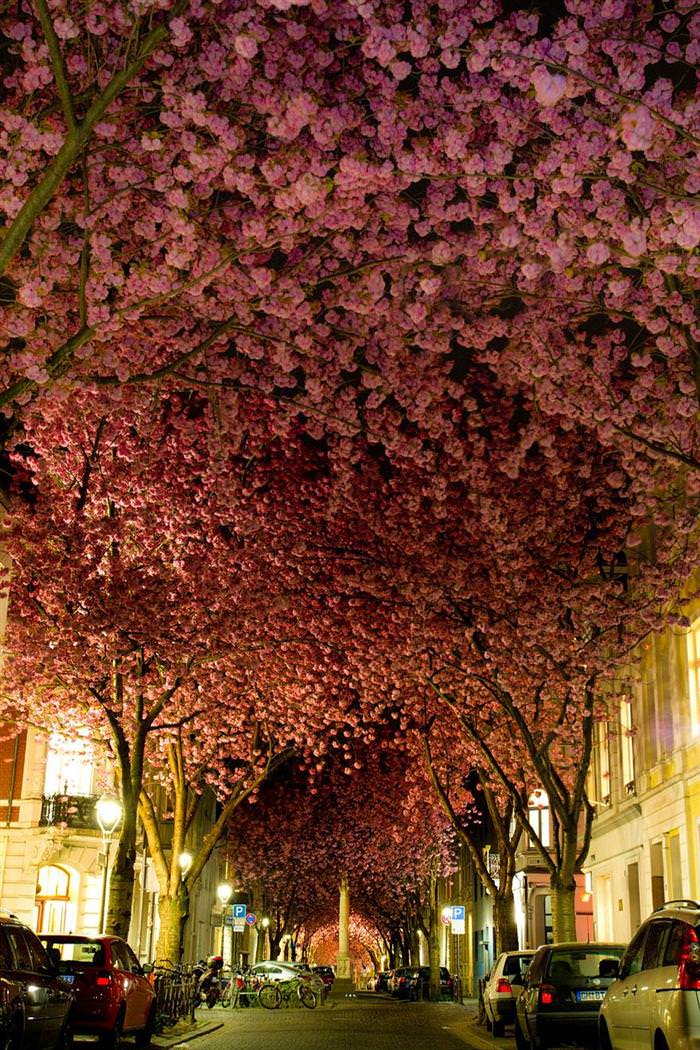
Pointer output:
x,y
265,923
224,891
108,811
185,863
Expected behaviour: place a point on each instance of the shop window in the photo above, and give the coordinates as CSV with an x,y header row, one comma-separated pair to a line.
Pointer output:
x,y
69,766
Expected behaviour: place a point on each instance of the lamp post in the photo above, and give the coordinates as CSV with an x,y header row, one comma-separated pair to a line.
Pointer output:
x,y
108,811
224,891
185,863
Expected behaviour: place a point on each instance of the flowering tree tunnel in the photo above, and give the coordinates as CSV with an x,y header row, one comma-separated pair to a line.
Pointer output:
x,y
350,395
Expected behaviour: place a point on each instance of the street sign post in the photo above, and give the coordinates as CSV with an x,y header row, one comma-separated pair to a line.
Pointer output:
x,y
250,919
457,918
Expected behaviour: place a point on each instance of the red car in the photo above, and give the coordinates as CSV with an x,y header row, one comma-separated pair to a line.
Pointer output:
x,y
111,992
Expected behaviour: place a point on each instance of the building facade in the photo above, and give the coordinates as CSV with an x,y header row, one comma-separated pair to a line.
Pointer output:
x,y
645,847
52,857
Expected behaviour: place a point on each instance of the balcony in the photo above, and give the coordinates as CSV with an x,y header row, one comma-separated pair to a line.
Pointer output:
x,y
68,811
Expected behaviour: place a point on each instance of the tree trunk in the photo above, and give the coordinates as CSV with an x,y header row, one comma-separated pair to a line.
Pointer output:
x,y
505,928
563,887
434,952
173,913
121,878
415,946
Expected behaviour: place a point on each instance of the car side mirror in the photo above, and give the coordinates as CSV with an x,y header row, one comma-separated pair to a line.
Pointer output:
x,y
146,969
609,968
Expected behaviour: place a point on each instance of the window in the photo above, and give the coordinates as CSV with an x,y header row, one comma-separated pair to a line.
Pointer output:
x,y
658,892
37,952
632,959
674,944
19,948
6,961
655,944
627,746
53,900
120,956
674,859
538,815
693,648
603,749
69,766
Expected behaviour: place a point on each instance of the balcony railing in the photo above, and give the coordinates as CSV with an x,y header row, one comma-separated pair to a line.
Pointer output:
x,y
68,811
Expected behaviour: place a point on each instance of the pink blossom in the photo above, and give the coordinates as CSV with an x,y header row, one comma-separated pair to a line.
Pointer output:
x,y
638,128
246,45
597,253
549,87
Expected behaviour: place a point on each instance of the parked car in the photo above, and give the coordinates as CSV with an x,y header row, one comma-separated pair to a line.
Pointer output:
x,y
655,1002
110,988
503,985
380,981
418,983
326,973
562,993
398,982
35,1003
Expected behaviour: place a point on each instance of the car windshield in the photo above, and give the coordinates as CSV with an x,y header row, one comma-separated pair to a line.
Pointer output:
x,y
579,962
89,953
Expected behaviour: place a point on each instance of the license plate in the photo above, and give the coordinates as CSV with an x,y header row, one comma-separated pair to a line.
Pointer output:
x,y
68,977
587,997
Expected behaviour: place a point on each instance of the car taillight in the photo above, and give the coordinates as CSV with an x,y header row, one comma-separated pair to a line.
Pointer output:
x,y
548,994
503,985
103,980
689,968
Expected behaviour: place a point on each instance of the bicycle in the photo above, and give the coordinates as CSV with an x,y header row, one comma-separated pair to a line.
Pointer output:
x,y
271,996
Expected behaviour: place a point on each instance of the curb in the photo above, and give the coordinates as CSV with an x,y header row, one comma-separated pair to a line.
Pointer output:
x,y
161,1042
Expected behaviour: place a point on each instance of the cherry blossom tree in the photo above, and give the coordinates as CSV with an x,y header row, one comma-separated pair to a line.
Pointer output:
x,y
348,210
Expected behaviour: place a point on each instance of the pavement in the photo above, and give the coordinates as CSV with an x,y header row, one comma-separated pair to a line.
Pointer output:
x,y
348,1021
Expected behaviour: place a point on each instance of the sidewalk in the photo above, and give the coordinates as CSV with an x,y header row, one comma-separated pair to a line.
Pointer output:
x,y
475,1036
185,1032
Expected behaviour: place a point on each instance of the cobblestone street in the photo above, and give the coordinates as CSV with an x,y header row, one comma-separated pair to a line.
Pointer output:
x,y
349,1024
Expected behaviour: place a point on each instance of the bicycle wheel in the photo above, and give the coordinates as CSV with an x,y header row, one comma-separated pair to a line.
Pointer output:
x,y
226,996
270,996
307,996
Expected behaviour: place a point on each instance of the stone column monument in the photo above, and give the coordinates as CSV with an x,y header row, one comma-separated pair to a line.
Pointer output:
x,y
343,967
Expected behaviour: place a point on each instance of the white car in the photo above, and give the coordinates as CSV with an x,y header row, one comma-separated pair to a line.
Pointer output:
x,y
502,986
654,1004
274,970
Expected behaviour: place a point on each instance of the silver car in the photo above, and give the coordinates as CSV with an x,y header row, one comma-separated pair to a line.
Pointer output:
x,y
654,1004
502,986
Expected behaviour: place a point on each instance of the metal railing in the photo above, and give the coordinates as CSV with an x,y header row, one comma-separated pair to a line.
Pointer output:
x,y
69,811
176,995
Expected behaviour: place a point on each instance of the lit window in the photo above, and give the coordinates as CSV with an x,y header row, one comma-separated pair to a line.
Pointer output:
x,y
538,815
54,912
627,745
69,766
603,763
693,642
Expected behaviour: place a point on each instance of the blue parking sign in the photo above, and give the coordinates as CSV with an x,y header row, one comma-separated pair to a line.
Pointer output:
x,y
239,911
458,913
